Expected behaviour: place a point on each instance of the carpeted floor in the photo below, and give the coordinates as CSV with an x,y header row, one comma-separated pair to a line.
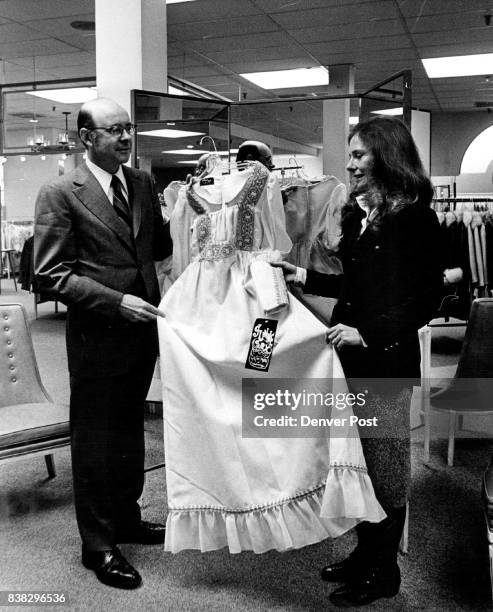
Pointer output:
x,y
446,568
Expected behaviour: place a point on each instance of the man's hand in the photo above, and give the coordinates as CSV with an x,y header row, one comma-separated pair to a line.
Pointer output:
x,y
343,335
289,270
137,310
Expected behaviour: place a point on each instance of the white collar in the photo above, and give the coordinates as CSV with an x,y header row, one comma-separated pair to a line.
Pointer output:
x,y
104,178
362,203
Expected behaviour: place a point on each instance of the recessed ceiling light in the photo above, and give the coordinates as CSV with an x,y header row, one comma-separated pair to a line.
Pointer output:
x,y
185,151
353,120
389,111
297,77
170,133
459,65
176,1
72,95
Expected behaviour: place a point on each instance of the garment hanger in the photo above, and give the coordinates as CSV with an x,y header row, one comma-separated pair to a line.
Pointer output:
x,y
212,162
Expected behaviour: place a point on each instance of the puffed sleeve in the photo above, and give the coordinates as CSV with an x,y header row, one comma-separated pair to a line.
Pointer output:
x,y
273,220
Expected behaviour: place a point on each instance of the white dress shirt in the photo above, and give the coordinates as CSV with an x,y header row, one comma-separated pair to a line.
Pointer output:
x,y
369,212
104,179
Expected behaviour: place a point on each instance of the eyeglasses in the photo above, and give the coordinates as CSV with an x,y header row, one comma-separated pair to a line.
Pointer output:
x,y
117,129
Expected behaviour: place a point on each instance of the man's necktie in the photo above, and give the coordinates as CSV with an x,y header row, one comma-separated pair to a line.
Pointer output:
x,y
120,203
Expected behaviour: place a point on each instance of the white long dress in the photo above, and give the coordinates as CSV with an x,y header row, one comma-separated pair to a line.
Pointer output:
x,y
225,489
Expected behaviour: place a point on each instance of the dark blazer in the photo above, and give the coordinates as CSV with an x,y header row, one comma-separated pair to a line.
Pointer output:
x,y
390,288
87,257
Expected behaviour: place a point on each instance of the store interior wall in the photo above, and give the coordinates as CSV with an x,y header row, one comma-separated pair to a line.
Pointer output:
x,y
451,134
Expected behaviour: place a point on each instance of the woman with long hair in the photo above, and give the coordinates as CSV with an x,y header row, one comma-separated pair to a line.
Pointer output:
x,y
389,289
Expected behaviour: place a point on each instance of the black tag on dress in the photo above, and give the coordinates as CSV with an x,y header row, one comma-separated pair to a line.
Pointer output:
x,y
261,344
207,181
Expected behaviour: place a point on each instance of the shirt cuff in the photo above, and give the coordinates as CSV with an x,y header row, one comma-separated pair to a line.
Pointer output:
x,y
300,276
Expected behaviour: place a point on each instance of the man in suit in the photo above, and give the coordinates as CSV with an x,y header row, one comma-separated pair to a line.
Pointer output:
x,y
98,230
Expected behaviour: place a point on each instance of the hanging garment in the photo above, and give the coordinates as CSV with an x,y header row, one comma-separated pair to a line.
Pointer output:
x,y
226,489
313,222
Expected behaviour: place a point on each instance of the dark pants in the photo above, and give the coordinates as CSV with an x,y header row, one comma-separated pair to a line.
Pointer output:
x,y
107,442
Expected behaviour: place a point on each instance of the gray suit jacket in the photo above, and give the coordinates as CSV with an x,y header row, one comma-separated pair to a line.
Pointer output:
x,y
87,257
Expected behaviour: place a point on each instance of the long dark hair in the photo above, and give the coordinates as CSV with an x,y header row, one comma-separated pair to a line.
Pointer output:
x,y
397,170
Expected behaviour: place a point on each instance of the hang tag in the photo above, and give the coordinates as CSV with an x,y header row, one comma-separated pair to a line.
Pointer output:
x,y
261,344
207,181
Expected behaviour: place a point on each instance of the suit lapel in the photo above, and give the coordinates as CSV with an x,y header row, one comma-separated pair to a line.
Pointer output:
x,y
88,190
135,193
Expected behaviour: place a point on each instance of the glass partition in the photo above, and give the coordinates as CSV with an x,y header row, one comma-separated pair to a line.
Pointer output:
x,y
171,128
38,142
174,131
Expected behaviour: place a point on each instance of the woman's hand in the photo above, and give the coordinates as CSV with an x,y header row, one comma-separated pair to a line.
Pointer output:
x,y
289,270
343,335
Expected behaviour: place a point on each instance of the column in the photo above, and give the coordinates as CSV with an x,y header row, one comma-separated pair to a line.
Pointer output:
x,y
131,48
336,121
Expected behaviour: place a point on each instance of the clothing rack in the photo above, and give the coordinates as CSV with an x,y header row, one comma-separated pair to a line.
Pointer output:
x,y
476,203
467,232
472,199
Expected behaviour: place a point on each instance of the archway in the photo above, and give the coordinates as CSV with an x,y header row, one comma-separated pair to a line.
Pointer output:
x,y
479,153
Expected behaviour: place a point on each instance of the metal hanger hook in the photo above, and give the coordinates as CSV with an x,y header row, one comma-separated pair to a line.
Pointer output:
x,y
209,138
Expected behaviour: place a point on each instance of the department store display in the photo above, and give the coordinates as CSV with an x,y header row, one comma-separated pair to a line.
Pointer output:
x,y
467,243
224,488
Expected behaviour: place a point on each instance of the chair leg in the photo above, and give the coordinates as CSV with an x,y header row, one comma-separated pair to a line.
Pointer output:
x,y
12,269
490,554
404,544
451,438
50,465
427,434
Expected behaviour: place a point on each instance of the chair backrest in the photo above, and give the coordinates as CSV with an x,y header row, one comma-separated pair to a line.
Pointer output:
x,y
20,382
476,357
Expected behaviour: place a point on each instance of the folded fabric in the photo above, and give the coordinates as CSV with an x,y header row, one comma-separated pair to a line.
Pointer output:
x,y
270,285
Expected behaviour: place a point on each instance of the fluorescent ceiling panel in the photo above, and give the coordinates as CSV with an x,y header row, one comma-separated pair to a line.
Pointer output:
x,y
281,79
459,65
189,162
71,95
389,111
170,133
176,1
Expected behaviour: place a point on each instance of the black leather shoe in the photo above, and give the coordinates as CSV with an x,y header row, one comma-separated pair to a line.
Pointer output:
x,y
111,568
364,590
342,571
144,533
